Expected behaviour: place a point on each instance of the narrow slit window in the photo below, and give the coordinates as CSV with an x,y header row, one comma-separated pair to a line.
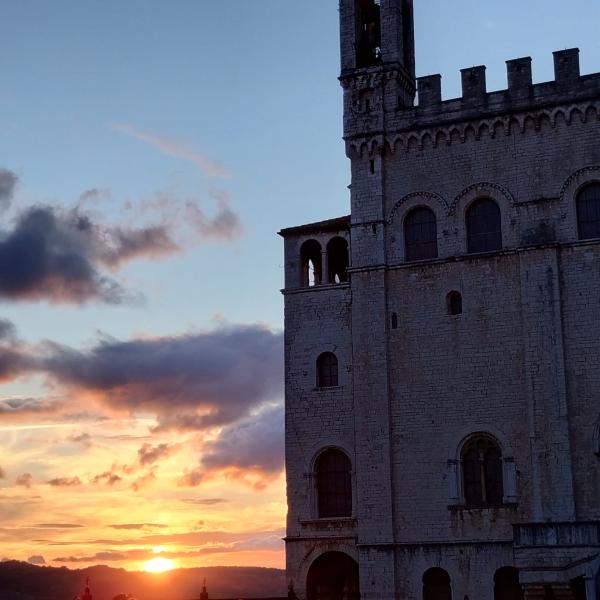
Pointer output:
x,y
454,303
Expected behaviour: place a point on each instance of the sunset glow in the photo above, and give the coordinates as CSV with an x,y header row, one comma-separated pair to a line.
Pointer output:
x,y
159,565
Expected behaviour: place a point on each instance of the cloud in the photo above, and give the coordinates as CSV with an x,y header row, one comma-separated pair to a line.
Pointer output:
x,y
225,225
148,454
175,148
8,183
143,480
57,526
85,439
25,406
250,451
64,482
108,477
25,480
137,526
191,381
2,473
36,559
127,244
51,256
203,501
8,331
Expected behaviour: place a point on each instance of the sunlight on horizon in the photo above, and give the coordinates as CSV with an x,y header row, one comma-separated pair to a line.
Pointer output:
x,y
159,565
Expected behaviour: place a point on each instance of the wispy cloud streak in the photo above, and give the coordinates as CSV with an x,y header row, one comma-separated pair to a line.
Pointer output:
x,y
176,148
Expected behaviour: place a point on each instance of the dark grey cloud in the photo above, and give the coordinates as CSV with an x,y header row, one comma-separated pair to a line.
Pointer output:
x,y
59,256
51,256
64,482
251,450
190,381
8,183
36,559
8,331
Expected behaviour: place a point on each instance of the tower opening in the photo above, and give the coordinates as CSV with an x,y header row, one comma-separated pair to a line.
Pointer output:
x,y
333,576
368,34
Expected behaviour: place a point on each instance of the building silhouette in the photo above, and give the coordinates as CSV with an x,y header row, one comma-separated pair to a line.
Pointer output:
x,y
442,342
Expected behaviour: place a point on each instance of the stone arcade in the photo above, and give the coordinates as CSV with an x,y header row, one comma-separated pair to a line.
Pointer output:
x,y
443,341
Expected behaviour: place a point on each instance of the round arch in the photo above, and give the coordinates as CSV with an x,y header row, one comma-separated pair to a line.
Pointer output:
x,y
333,576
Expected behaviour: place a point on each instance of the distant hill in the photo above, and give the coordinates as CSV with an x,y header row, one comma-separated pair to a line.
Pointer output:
x,y
22,581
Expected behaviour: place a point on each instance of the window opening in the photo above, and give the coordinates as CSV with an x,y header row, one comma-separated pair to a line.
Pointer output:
x,y
484,226
420,234
506,584
372,167
310,264
436,585
334,484
368,49
394,321
588,212
337,260
327,370
454,302
482,473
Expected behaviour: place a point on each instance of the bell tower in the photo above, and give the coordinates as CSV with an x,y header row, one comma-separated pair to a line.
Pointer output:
x,y
378,35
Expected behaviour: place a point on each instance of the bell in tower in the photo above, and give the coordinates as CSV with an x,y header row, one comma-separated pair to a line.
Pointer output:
x,y
368,34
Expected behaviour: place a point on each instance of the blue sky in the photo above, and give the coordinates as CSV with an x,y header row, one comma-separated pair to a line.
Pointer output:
x,y
145,107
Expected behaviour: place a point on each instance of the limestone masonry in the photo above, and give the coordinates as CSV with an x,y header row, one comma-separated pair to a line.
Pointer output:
x,y
442,342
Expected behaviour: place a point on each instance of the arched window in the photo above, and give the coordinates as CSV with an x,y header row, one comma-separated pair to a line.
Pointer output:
x,y
454,303
337,260
482,467
310,264
484,226
334,484
420,234
327,370
588,212
436,585
368,32
506,584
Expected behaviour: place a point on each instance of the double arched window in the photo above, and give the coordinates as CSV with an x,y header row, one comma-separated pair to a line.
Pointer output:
x,y
317,268
420,234
482,473
588,212
436,585
333,473
327,370
484,226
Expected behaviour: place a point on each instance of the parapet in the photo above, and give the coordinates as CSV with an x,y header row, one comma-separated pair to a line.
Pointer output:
x,y
522,93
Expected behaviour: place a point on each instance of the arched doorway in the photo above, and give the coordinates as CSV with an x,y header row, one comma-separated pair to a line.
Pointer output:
x,y
333,576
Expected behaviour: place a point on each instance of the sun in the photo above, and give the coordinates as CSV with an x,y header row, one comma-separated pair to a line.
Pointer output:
x,y
159,565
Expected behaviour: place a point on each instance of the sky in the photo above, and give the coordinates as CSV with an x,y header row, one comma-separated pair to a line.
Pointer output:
x,y
149,153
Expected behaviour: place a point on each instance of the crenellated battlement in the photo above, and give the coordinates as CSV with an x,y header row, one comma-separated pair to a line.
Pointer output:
x,y
520,83
522,94
569,87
